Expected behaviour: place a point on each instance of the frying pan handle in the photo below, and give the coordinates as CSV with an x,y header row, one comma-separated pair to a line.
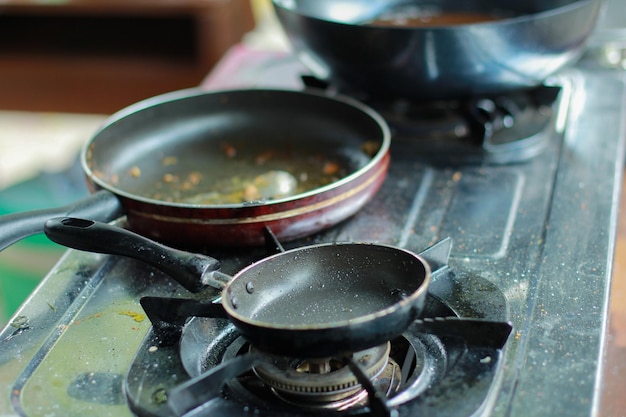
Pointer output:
x,y
192,271
103,206
474,331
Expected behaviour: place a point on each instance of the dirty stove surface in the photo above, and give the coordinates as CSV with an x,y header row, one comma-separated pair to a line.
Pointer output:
x,y
531,244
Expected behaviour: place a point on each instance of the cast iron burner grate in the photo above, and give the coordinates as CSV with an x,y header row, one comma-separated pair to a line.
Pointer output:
x,y
440,353
499,129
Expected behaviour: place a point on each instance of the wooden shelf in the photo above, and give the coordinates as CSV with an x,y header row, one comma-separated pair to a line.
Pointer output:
x,y
98,56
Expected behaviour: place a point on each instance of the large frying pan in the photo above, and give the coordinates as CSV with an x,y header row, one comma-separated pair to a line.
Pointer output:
x,y
152,160
534,39
313,301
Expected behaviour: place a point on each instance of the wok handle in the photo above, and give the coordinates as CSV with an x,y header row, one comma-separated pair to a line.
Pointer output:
x,y
103,206
192,271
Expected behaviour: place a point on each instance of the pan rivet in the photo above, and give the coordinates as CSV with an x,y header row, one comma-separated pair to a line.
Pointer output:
x,y
234,302
250,287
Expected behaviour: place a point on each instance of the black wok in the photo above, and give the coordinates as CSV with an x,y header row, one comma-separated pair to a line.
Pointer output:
x,y
314,301
530,41
158,161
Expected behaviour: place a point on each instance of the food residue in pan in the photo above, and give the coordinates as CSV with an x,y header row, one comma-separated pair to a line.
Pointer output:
x,y
261,175
409,16
240,189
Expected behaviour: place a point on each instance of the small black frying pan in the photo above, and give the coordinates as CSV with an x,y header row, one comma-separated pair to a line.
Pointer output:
x,y
316,300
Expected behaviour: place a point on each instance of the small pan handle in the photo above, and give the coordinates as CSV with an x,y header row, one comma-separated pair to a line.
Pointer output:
x,y
192,271
103,206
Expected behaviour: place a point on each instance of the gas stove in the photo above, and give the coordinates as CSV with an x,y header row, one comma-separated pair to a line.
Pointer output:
x,y
518,230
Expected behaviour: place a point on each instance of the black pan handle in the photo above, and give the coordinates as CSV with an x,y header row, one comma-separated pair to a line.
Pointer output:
x,y
192,271
478,332
103,206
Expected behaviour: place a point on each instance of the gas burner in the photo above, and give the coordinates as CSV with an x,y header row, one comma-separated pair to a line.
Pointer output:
x,y
227,375
400,369
497,129
313,384
326,383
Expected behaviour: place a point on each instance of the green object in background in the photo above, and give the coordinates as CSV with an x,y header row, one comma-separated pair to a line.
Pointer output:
x,y
24,264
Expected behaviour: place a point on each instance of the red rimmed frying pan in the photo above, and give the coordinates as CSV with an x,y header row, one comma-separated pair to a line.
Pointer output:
x,y
177,166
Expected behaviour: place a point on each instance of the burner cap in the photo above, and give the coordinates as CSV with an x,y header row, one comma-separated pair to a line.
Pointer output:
x,y
320,381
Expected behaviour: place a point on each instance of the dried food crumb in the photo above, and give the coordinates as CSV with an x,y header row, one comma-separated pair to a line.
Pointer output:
x,y
169,178
331,168
229,150
169,160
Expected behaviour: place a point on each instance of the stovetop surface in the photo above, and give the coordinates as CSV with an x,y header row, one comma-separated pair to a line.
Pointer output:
x,y
539,234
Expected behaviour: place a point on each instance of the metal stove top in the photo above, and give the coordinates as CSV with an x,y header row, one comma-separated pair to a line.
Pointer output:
x,y
531,243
